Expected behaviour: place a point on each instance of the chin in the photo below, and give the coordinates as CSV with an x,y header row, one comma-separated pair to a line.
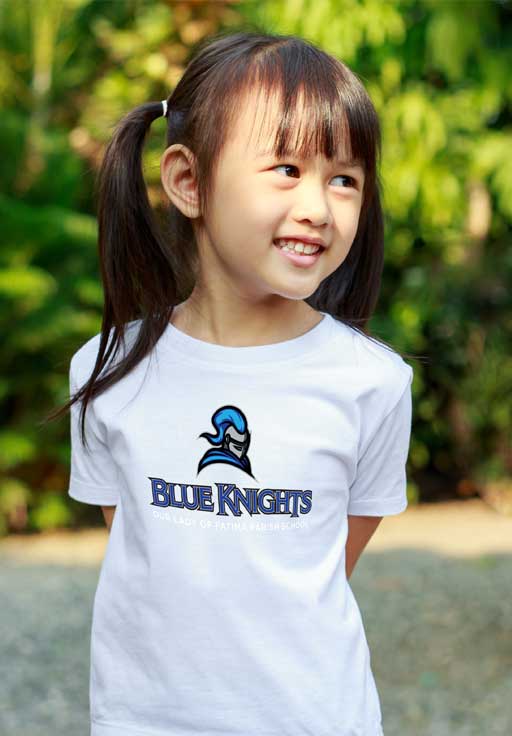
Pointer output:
x,y
298,294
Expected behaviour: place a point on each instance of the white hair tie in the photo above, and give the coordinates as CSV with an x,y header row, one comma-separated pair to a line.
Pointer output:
x,y
164,105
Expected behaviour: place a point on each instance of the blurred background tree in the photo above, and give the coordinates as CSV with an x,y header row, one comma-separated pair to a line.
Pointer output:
x,y
439,76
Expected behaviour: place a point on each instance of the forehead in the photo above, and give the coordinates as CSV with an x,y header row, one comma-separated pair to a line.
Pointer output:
x,y
255,127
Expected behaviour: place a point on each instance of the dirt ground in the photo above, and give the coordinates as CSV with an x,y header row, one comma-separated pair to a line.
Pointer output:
x,y
469,528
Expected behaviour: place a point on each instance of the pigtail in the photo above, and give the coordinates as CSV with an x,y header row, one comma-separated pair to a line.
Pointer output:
x,y
139,280
134,263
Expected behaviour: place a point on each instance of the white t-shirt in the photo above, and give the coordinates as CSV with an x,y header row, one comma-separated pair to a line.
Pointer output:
x,y
222,604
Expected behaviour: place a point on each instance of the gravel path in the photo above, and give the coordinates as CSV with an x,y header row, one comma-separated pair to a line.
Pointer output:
x,y
433,585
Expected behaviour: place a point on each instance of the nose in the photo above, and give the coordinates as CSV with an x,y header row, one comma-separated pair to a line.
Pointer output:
x,y
312,205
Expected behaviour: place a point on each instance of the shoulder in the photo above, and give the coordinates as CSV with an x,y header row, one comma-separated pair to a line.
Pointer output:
x,y
83,360
372,350
382,374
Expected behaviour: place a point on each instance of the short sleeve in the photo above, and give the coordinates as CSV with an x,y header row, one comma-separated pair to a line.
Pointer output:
x,y
94,474
380,485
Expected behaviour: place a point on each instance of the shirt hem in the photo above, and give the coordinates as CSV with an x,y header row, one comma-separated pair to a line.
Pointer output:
x,y
88,493
376,507
110,728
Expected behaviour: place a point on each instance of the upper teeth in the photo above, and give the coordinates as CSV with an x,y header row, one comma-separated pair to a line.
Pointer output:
x,y
297,246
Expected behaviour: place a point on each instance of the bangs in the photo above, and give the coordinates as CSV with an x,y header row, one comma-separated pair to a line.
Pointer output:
x,y
322,108
307,104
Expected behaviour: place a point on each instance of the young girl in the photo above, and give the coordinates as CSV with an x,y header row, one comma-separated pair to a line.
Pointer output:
x,y
248,431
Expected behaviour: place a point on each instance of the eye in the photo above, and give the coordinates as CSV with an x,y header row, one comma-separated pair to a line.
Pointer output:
x,y
352,181
286,166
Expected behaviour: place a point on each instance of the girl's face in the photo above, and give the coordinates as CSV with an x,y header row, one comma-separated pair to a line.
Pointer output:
x,y
258,198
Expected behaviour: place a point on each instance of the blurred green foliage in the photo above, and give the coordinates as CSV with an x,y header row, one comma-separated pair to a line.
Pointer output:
x,y
439,76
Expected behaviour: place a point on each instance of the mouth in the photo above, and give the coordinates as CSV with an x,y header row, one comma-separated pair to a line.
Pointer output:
x,y
298,257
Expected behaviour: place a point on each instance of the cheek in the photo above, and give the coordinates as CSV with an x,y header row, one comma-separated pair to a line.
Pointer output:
x,y
253,218
237,234
268,213
351,233
346,222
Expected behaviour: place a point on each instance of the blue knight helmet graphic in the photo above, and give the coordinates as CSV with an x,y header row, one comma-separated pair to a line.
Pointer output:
x,y
231,440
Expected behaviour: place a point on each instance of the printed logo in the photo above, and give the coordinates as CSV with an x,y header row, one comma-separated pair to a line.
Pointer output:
x,y
230,444
231,441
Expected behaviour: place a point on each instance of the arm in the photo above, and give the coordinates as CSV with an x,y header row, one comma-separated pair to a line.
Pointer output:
x,y
360,530
108,514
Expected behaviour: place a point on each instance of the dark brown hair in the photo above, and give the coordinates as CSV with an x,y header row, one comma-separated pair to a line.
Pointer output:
x,y
146,272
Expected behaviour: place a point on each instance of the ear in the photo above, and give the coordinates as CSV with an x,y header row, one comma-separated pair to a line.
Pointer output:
x,y
177,171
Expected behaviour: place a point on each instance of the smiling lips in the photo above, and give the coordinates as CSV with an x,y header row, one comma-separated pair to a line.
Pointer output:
x,y
299,253
297,246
